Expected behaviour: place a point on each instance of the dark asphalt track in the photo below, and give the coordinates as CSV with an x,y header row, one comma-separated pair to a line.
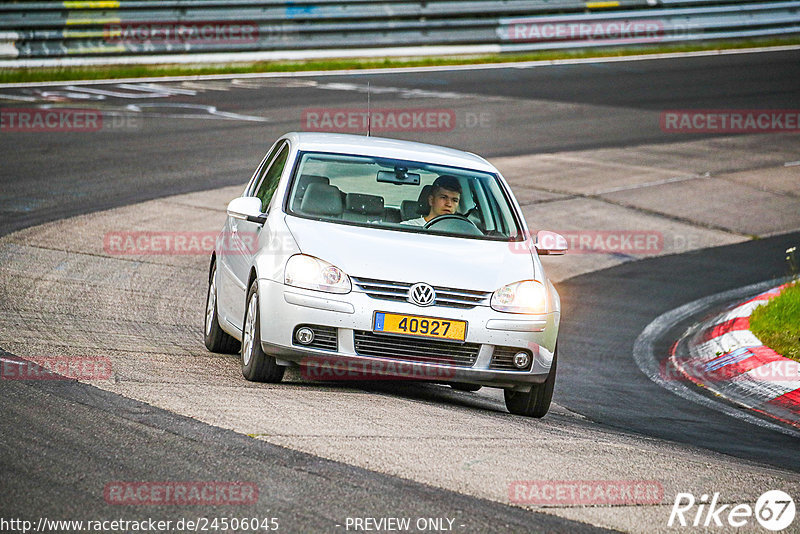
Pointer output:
x,y
606,311
44,177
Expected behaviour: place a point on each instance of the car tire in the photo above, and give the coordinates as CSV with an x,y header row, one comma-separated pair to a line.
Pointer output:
x,y
257,366
471,388
536,402
216,339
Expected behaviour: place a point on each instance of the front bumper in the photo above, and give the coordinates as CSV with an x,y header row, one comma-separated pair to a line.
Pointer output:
x,y
283,308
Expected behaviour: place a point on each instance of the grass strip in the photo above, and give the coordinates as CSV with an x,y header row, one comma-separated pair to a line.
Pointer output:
x,y
42,74
777,323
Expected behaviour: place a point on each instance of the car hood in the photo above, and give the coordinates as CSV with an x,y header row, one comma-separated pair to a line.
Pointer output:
x,y
412,257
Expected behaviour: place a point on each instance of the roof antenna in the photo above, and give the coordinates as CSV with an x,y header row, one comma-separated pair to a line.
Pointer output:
x,y
369,114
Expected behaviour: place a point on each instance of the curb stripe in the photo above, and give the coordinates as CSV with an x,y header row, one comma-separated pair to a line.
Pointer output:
x,y
738,323
789,400
725,356
766,295
751,359
650,360
766,390
745,310
724,344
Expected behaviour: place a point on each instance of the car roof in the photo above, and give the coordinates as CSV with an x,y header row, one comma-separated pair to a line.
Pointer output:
x,y
387,148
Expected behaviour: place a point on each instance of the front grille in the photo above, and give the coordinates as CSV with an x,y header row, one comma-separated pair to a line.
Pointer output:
x,y
503,359
325,337
416,350
445,296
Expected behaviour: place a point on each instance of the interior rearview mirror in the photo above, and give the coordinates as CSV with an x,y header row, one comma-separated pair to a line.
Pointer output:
x,y
399,176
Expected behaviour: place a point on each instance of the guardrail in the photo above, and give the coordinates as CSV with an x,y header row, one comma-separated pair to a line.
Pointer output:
x,y
127,28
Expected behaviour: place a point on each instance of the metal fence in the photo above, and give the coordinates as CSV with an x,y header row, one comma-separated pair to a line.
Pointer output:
x,y
126,28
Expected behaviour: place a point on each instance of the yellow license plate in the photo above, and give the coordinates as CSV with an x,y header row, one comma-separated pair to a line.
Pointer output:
x,y
415,325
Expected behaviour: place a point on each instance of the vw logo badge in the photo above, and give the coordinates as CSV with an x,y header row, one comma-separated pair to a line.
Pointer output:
x,y
421,294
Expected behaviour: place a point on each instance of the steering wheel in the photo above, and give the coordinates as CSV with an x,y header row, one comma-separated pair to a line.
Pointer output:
x,y
453,223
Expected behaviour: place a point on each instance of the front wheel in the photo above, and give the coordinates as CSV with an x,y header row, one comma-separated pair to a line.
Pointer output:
x,y
216,339
257,366
536,402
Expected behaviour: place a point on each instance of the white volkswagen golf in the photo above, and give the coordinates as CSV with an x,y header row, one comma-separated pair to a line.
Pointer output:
x,y
370,257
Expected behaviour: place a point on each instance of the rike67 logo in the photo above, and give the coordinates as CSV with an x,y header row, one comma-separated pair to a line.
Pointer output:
x,y
774,510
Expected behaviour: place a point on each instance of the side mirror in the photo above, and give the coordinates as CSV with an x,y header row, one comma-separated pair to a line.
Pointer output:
x,y
550,243
247,209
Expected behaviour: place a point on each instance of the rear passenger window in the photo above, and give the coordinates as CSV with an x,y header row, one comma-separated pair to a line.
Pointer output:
x,y
272,176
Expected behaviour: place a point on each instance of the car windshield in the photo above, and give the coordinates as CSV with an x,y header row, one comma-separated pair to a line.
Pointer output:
x,y
401,195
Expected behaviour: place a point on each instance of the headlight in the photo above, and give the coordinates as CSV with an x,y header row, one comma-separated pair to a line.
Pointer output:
x,y
313,273
528,296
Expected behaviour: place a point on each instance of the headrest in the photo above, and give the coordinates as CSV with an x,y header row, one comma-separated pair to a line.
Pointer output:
x,y
322,199
302,185
408,209
307,179
364,204
423,208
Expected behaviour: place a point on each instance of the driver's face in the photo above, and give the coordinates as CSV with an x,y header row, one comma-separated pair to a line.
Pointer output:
x,y
443,202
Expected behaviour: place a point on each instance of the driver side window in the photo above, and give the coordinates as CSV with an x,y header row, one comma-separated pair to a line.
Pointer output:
x,y
271,176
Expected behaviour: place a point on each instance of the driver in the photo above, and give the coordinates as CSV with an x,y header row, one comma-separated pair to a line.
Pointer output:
x,y
443,199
